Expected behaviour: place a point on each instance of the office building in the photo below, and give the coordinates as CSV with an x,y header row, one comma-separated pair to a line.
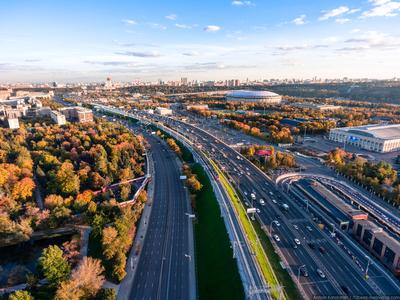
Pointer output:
x,y
377,138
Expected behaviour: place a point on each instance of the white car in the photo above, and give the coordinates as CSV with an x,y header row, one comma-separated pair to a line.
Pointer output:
x,y
296,227
297,241
309,228
277,223
320,273
276,237
258,210
274,201
262,202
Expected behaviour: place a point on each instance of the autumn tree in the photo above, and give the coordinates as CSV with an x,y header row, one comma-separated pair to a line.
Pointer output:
x,y
85,281
66,179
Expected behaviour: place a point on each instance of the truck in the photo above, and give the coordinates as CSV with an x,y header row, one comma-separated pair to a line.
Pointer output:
x,y
285,206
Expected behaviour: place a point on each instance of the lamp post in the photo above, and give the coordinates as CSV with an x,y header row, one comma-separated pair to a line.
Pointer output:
x,y
368,264
298,272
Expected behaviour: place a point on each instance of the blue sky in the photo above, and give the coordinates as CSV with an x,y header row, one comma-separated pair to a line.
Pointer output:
x,y
88,40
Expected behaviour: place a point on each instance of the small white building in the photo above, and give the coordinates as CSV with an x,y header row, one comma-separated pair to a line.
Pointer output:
x,y
377,137
13,123
163,111
58,117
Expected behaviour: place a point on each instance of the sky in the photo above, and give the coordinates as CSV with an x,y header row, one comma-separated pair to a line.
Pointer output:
x,y
89,40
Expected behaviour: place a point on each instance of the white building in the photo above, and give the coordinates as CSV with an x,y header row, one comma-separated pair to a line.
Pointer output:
x,y
377,138
253,96
163,111
320,107
13,123
58,117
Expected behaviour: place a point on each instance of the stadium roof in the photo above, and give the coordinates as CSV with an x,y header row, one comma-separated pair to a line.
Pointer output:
x,y
250,94
384,132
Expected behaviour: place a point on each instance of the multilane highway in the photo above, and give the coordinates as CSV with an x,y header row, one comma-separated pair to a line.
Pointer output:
x,y
338,274
163,269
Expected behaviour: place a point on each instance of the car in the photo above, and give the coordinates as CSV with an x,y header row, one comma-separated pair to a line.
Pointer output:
x,y
274,201
309,228
304,272
320,273
297,241
258,210
262,202
276,237
252,218
345,289
271,193
321,249
247,204
296,227
245,193
277,223
311,245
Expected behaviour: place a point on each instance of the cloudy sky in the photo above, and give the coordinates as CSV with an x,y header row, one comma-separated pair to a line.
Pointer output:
x,y
76,40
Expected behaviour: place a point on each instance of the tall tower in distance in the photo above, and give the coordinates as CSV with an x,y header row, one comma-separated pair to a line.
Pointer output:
x,y
184,81
108,84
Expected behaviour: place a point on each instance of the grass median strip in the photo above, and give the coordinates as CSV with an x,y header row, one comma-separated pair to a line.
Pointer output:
x,y
262,259
217,273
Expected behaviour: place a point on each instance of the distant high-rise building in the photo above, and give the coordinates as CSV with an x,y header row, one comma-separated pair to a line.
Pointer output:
x,y
184,81
108,84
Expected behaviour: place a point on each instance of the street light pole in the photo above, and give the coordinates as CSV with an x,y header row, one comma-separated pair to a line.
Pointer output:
x,y
368,263
298,272
270,228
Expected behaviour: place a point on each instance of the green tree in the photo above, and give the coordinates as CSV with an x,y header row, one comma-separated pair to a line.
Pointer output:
x,y
54,266
20,295
66,179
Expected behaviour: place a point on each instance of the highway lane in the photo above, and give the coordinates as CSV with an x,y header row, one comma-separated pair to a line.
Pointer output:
x,y
319,286
346,271
380,209
252,279
163,268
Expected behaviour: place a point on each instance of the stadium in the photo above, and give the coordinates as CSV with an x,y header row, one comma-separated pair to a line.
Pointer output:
x,y
253,96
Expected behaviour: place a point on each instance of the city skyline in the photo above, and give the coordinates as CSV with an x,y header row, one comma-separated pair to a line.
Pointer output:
x,y
129,40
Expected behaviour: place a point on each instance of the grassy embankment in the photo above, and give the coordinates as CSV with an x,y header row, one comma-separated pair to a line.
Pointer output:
x,y
256,246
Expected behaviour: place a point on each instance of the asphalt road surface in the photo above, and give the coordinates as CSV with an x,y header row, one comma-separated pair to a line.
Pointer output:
x,y
163,267
342,276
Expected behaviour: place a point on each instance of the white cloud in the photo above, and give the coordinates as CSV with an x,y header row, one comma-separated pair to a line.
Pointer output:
x,y
342,20
242,3
373,40
382,8
140,53
353,11
191,53
183,26
212,28
157,26
301,20
171,17
129,22
355,30
334,13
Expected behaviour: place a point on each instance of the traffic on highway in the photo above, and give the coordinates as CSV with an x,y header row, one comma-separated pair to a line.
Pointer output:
x,y
316,259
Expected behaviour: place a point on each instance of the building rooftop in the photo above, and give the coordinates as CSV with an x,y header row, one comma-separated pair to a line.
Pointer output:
x,y
250,94
384,132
